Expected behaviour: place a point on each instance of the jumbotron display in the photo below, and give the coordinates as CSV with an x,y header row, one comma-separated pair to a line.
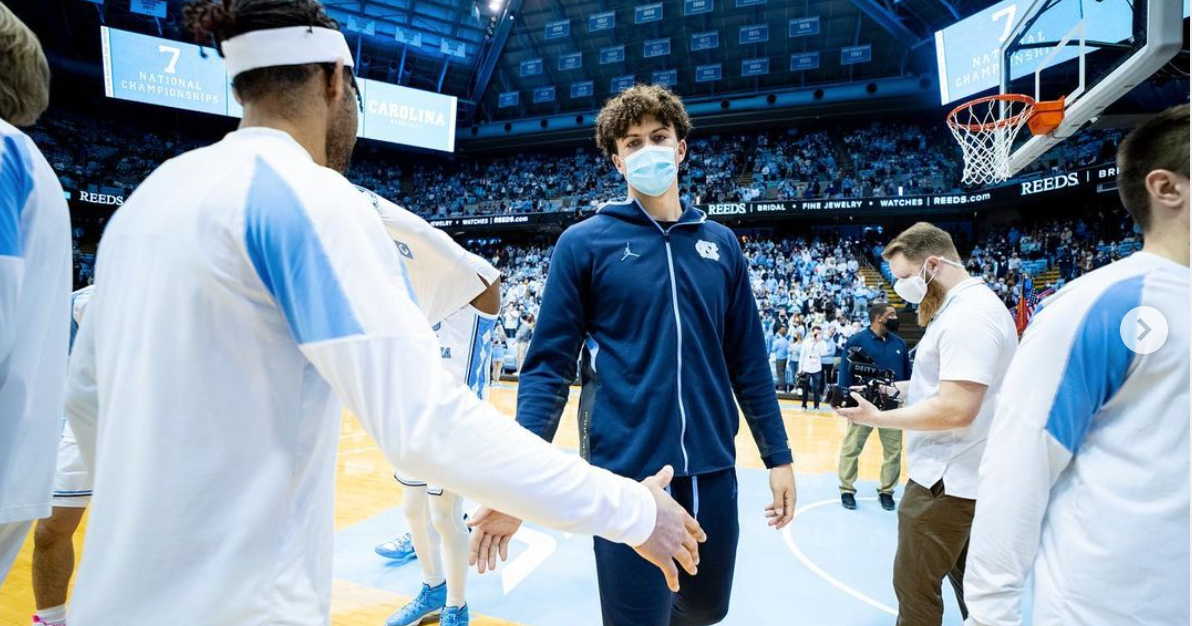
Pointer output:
x,y
148,69
969,51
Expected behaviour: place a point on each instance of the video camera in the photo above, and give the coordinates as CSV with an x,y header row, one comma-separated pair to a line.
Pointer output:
x,y
873,381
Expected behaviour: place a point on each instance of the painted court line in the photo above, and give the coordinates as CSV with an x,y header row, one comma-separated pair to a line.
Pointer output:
x,y
831,580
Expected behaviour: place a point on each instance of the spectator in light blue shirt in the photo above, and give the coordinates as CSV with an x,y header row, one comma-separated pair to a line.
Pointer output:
x,y
780,348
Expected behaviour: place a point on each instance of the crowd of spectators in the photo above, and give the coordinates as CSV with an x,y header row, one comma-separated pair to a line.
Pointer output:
x,y
885,158
893,159
104,156
1012,259
791,166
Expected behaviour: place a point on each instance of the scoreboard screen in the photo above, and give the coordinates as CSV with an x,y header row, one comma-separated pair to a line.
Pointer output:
x,y
148,69
163,72
969,52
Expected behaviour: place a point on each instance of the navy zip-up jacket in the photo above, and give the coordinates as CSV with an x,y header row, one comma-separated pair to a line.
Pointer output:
x,y
669,333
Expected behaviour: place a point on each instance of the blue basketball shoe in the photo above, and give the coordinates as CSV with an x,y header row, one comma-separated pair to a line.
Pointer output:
x,y
430,602
400,550
454,616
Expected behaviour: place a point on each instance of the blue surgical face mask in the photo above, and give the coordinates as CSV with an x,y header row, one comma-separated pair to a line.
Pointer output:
x,y
651,170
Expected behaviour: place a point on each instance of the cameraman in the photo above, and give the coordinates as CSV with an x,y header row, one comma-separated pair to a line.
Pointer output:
x,y
962,359
888,352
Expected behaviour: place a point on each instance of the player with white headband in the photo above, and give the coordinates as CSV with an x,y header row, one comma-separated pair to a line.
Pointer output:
x,y
247,289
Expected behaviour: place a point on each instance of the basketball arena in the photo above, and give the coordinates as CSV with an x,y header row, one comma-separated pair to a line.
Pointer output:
x,y
595,312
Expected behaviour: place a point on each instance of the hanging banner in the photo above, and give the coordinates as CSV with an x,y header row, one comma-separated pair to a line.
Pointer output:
x,y
558,30
755,67
757,33
572,61
531,67
581,89
696,7
705,41
612,54
453,48
647,13
853,55
508,99
656,48
358,25
602,21
666,78
707,73
805,61
621,83
152,8
803,26
408,37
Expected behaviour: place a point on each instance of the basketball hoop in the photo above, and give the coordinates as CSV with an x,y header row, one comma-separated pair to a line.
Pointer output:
x,y
986,129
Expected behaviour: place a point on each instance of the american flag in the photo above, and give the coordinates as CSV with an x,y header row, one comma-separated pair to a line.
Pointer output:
x,y
1028,301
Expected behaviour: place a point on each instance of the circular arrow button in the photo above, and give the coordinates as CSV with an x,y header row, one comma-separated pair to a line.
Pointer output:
x,y
1144,329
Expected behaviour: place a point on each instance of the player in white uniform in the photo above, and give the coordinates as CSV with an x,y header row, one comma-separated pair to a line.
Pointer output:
x,y
443,275
246,289
1085,475
441,541
34,293
53,544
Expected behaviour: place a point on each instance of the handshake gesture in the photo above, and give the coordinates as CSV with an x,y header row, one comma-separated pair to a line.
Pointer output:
x,y
675,539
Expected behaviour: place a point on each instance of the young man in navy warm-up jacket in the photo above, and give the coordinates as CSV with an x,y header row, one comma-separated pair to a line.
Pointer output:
x,y
657,300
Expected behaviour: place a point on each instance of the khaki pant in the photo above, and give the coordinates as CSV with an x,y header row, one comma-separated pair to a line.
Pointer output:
x,y
933,534
850,451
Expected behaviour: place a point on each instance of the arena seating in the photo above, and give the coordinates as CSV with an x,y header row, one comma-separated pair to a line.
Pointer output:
x,y
900,158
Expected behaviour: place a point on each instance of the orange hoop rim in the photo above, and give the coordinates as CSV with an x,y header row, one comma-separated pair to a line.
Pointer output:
x,y
1015,120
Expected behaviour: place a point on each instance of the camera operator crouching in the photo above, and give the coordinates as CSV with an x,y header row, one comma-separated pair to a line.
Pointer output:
x,y
888,352
960,363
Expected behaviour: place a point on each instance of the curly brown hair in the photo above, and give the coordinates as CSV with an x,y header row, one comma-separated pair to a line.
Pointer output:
x,y
25,81
632,105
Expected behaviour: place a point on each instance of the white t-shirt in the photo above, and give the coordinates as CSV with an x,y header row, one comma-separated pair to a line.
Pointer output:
x,y
972,339
1085,480
34,325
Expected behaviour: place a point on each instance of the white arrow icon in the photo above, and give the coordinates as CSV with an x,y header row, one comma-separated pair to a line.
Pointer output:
x,y
1154,329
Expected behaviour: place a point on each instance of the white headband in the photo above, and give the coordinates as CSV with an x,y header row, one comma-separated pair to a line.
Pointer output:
x,y
293,45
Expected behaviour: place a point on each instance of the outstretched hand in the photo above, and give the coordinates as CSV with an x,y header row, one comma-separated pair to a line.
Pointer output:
x,y
491,532
676,535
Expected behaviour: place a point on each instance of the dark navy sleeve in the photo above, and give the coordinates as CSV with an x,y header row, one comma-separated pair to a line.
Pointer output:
x,y
545,381
844,372
749,369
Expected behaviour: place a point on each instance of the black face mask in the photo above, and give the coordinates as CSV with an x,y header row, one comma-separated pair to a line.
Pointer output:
x,y
892,324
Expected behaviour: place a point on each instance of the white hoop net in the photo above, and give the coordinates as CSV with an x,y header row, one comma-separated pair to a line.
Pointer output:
x,y
986,129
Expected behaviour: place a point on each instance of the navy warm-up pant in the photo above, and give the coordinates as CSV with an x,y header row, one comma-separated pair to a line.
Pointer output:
x,y
634,593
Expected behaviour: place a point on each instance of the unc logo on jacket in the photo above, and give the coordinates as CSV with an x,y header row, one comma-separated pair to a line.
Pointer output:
x,y
704,257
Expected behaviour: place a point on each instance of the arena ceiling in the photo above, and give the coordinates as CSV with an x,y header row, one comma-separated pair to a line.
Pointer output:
x,y
475,49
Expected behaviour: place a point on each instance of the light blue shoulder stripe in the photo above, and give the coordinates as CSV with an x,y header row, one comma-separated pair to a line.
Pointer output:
x,y
1096,366
16,185
291,262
